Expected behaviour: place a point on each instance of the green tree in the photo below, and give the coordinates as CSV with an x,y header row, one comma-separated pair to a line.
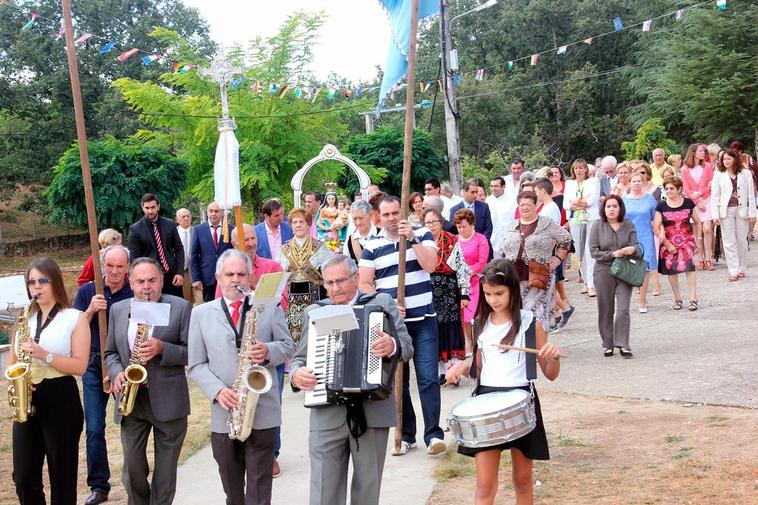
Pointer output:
x,y
384,149
122,171
650,136
701,75
276,135
34,81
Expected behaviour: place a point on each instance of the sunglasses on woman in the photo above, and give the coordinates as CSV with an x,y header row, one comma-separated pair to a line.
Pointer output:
x,y
42,281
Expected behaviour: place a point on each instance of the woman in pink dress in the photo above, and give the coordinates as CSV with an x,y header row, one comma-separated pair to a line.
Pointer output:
x,y
697,174
476,249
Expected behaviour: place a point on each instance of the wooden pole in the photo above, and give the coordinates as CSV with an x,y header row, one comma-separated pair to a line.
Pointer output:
x,y
89,197
404,194
240,232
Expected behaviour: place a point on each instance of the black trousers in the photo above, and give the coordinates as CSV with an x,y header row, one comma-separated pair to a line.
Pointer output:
x,y
169,288
209,292
53,432
253,458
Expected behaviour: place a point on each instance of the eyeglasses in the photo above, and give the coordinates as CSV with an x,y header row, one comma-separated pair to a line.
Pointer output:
x,y
432,223
428,189
42,281
337,282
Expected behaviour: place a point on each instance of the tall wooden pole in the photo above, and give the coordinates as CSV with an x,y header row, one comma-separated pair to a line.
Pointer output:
x,y
89,198
404,194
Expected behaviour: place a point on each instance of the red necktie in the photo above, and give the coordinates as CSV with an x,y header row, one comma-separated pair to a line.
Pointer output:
x,y
214,230
159,246
236,312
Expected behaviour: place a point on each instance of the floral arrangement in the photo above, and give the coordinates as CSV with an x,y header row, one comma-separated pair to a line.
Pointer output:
x,y
333,245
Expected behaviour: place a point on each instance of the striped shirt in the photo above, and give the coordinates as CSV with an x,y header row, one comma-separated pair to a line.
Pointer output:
x,y
381,254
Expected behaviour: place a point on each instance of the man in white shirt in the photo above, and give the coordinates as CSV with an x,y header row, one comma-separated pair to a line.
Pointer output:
x,y
513,180
608,179
186,232
360,211
502,209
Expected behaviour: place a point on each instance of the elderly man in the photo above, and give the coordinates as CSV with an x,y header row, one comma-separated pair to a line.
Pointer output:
x,y
330,443
186,233
215,339
115,289
360,212
608,179
435,202
156,237
163,405
207,245
449,198
378,267
659,165
273,232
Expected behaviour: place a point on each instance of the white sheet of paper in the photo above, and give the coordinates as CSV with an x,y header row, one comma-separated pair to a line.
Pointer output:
x,y
269,289
13,292
333,317
156,314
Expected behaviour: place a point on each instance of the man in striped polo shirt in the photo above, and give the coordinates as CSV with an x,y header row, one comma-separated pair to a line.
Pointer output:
x,y
378,271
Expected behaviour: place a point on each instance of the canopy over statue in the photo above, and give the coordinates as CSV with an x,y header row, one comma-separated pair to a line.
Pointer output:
x,y
329,152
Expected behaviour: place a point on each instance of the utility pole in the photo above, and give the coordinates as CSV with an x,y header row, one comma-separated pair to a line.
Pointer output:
x,y
451,114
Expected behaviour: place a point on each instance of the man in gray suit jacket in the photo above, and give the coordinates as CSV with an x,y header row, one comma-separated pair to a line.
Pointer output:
x,y
215,335
330,444
163,404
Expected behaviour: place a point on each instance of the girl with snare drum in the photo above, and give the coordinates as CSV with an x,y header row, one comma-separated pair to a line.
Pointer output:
x,y
497,369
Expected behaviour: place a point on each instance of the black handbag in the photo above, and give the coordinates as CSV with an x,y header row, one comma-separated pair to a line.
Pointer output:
x,y
630,269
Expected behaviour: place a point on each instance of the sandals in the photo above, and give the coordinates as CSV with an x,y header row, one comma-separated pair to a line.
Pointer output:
x,y
625,352
677,305
709,265
733,278
700,265
693,306
741,275
608,352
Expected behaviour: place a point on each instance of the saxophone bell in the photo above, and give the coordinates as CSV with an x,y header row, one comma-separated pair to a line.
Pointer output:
x,y
257,380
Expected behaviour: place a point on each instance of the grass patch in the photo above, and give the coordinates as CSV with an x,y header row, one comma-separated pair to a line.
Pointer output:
x,y
717,420
684,452
673,438
453,465
566,441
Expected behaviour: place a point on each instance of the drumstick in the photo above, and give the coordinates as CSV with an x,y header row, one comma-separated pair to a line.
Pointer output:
x,y
524,349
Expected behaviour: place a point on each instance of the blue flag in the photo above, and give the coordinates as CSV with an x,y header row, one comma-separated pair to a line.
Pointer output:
x,y
617,24
399,12
107,47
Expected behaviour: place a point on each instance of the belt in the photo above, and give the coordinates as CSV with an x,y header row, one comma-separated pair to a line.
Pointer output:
x,y
40,373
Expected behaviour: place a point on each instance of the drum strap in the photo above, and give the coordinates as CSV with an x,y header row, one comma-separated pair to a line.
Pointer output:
x,y
531,359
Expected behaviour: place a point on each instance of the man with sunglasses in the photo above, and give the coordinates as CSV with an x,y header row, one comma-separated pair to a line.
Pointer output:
x,y
115,288
331,445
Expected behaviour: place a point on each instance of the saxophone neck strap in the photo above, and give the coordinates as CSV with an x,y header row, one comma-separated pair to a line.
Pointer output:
x,y
243,314
40,325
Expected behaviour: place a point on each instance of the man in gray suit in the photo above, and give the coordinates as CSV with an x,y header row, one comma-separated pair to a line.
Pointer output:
x,y
163,404
215,335
330,444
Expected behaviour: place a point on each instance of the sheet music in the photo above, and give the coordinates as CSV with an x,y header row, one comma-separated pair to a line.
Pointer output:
x,y
157,314
333,317
269,289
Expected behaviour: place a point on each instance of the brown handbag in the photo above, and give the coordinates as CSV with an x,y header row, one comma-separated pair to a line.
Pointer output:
x,y
539,275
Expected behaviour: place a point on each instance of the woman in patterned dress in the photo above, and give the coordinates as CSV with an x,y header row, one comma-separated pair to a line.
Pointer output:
x,y
450,291
678,239
302,257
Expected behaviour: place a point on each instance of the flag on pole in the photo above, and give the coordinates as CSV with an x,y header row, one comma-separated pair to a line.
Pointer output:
x,y
617,24
83,38
479,75
534,59
721,4
562,50
107,47
127,54
31,22
399,12
679,14
646,25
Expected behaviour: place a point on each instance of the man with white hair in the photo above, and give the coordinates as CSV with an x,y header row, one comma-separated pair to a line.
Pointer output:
x,y
609,178
449,198
658,165
363,228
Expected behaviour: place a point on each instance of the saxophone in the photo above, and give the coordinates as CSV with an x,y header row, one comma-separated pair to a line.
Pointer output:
x,y
250,381
135,373
20,373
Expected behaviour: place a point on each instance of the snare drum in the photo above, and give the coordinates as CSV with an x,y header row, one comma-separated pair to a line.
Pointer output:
x,y
493,418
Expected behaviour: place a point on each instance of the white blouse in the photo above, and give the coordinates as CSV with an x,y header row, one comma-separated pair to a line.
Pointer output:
x,y
503,369
56,337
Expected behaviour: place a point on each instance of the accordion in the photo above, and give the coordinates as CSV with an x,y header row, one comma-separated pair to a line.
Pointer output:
x,y
343,363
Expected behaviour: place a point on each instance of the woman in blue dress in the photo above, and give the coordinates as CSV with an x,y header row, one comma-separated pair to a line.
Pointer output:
x,y
640,209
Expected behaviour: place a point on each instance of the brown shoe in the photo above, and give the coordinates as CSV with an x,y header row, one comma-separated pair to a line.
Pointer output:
x,y
277,471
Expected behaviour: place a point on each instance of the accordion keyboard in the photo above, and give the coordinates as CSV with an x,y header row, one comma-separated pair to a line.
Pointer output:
x,y
374,364
318,352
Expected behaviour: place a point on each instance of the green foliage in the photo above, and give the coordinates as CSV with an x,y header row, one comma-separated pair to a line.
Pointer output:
x,y
36,112
276,136
5,337
701,75
122,171
384,149
651,135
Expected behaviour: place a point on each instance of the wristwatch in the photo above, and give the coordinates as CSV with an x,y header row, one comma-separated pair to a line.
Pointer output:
x,y
49,358
414,241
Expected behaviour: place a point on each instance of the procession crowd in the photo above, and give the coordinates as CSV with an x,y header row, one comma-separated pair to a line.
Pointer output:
x,y
483,272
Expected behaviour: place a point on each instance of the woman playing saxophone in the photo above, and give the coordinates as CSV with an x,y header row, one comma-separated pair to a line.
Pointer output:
x,y
56,341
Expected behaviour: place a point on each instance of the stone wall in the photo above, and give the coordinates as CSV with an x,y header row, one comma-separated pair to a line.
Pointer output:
x,y
41,245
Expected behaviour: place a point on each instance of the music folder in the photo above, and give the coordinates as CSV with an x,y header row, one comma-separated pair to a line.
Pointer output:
x,y
333,317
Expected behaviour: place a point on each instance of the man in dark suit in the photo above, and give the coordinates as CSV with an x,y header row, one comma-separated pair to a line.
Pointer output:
x,y
480,209
157,237
163,406
273,232
214,351
207,245
330,444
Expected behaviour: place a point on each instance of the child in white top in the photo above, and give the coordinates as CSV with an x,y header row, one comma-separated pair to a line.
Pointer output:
x,y
504,322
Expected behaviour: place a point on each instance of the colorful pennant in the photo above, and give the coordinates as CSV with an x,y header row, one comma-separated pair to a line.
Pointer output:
x,y
84,38
562,50
479,75
236,83
284,90
146,60
617,24
330,95
315,95
127,54
509,65
61,32
679,14
533,61
107,47
721,4
588,41
31,22
646,25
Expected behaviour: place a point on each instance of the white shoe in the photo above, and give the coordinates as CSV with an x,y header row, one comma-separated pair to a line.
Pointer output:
x,y
436,446
404,448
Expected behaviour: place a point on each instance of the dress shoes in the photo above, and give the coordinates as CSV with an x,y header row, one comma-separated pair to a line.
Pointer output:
x,y
277,471
96,497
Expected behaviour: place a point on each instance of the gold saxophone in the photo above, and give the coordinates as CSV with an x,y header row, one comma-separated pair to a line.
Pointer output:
x,y
135,373
250,382
20,373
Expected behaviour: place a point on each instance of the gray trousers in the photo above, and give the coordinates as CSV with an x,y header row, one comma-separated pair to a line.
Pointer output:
x,y
613,297
330,452
168,438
